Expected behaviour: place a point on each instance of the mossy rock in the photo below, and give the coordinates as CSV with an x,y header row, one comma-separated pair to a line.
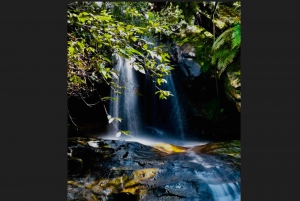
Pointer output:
x,y
231,148
232,84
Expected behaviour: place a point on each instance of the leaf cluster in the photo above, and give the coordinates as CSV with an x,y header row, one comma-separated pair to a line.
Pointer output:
x,y
95,35
226,48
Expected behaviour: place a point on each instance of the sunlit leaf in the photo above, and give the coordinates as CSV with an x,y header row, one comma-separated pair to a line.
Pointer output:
x,y
125,132
71,50
118,134
160,81
133,38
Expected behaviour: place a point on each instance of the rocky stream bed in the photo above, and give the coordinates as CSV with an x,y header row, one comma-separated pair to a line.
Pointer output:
x,y
102,169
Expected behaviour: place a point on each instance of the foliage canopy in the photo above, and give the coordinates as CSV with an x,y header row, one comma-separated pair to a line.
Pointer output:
x,y
100,32
96,35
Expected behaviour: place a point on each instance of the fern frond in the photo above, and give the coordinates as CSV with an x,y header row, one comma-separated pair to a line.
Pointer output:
x,y
224,36
226,47
226,59
236,36
220,42
220,53
214,59
222,69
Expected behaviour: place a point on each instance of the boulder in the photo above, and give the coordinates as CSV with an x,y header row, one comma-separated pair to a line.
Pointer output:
x,y
187,50
184,55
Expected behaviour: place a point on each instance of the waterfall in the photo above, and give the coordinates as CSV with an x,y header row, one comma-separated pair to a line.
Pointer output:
x,y
164,115
147,116
125,105
175,113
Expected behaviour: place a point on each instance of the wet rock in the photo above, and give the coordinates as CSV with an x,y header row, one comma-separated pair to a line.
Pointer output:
x,y
80,194
188,50
183,56
229,152
181,189
231,148
189,66
134,171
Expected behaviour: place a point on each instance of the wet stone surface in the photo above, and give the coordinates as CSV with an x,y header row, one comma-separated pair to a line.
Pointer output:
x,y
101,169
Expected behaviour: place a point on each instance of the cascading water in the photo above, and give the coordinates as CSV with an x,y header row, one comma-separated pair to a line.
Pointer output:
x,y
222,180
125,105
164,116
162,119
176,114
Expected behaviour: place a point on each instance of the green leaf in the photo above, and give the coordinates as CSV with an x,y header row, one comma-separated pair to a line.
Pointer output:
x,y
106,59
123,51
161,96
151,15
107,98
71,50
108,117
133,38
102,65
236,36
135,51
128,27
128,51
160,81
125,132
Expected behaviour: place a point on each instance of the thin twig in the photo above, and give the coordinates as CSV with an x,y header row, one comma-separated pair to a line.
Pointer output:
x,y
72,120
90,105
106,109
